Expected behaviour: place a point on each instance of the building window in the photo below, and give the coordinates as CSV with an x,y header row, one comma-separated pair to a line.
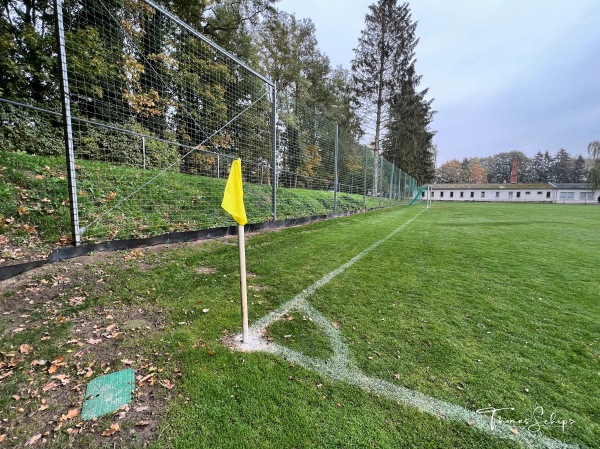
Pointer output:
x,y
462,194
432,194
482,194
451,194
518,194
510,195
586,196
441,194
497,194
527,193
472,194
547,194
540,193
567,195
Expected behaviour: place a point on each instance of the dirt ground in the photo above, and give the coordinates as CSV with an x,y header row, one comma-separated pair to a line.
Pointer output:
x,y
53,342
12,254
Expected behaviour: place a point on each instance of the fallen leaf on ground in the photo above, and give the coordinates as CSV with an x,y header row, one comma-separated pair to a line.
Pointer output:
x,y
34,439
70,414
114,428
149,378
25,348
49,386
167,384
59,361
63,378
77,300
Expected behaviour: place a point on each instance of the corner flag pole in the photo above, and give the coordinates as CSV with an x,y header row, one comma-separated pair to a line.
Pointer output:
x,y
233,203
243,290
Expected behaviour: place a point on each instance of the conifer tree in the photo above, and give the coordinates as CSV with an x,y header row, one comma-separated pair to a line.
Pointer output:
x,y
385,51
408,140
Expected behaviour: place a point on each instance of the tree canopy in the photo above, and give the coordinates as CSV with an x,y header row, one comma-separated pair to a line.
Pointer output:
x,y
385,89
131,69
542,167
593,173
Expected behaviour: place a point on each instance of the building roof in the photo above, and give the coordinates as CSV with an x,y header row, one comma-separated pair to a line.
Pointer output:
x,y
517,186
571,185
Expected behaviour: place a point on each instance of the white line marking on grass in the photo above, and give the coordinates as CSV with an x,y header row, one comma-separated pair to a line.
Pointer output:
x,y
340,366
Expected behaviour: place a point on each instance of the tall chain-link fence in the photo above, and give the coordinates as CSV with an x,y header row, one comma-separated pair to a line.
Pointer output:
x,y
150,115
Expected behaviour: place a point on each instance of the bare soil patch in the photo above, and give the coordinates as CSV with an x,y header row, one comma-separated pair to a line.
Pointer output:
x,y
54,341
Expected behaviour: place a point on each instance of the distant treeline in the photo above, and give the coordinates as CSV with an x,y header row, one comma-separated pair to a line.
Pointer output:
x,y
543,167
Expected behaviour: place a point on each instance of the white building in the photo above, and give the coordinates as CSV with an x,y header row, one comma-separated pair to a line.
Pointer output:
x,y
579,193
571,193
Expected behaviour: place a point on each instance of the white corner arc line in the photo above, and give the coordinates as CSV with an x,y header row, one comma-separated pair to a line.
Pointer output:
x,y
341,368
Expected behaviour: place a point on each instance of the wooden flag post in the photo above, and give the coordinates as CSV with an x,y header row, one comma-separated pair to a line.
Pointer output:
x,y
243,289
233,202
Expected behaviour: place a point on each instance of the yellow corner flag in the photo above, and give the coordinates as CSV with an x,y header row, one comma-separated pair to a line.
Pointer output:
x,y
233,197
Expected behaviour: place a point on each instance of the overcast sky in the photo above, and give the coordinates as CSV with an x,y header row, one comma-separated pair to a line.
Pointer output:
x,y
505,74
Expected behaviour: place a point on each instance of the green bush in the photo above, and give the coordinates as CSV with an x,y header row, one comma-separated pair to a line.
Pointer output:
x,y
122,147
23,129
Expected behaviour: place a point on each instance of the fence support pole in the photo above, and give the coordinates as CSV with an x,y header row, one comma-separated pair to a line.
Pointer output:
x,y
335,166
380,186
274,161
392,169
365,180
144,152
68,127
400,198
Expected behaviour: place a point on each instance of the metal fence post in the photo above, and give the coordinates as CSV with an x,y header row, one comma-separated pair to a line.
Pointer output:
x,y
68,127
400,198
335,166
380,186
274,162
365,180
392,169
144,152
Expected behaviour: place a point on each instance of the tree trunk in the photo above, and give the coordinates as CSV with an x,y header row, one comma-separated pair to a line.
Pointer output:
x,y
380,80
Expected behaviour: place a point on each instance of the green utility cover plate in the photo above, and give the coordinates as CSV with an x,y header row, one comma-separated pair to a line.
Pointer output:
x,y
105,394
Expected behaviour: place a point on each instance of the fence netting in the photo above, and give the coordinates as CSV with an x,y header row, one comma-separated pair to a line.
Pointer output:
x,y
158,112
